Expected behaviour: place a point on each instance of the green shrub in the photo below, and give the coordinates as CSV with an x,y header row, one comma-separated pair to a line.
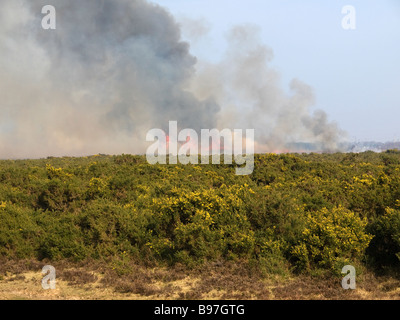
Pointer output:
x,y
18,231
303,210
384,250
271,258
61,238
202,225
331,237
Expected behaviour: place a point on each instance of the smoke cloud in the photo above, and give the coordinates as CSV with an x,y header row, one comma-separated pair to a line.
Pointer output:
x,y
250,94
112,70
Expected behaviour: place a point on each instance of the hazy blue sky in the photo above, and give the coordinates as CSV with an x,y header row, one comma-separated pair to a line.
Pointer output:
x,y
355,73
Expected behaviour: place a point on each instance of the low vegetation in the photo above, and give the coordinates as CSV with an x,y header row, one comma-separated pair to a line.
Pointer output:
x,y
296,214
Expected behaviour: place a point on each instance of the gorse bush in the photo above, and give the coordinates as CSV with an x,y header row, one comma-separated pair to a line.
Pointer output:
x,y
331,237
18,231
204,224
384,249
294,212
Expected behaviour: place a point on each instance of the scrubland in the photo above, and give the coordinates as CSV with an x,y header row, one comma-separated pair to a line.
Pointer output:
x,y
116,227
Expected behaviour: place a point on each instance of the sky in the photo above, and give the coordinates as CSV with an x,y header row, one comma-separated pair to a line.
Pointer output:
x,y
355,74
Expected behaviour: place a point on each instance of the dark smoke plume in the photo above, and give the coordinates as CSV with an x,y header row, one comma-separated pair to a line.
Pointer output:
x,y
112,70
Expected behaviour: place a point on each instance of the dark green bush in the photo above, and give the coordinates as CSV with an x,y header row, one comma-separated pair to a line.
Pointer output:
x,y
384,249
18,231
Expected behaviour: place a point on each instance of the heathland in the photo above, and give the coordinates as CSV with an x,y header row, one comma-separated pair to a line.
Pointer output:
x,y
295,216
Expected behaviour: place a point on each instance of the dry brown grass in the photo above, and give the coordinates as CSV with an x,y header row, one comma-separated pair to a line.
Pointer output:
x,y
214,281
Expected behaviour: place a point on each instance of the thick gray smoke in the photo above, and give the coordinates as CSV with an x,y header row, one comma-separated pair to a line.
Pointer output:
x,y
112,70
